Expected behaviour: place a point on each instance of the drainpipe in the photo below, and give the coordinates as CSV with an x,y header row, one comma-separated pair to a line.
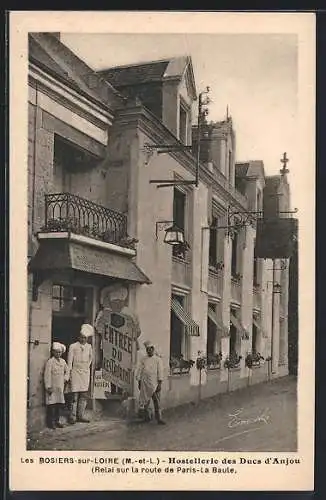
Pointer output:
x,y
273,319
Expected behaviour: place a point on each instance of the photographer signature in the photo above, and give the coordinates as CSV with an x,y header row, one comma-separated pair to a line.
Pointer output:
x,y
237,420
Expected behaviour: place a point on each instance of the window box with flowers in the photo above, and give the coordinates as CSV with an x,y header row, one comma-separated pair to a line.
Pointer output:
x,y
214,361
236,277
180,250
179,366
216,267
232,362
253,359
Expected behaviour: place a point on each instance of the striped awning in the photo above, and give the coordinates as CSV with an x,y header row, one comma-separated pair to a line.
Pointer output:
x,y
214,318
190,325
237,323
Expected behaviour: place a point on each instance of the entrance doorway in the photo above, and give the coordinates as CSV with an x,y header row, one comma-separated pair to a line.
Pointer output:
x,y
71,307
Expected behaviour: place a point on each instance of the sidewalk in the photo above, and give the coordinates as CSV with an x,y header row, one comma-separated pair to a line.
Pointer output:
x,y
268,423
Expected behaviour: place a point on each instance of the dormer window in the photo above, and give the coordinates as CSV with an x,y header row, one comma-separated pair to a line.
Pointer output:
x,y
183,122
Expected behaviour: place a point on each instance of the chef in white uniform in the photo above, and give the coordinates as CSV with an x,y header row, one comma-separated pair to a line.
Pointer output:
x,y
80,357
150,376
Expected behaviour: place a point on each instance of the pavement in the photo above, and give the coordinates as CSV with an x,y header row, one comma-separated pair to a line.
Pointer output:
x,y
261,418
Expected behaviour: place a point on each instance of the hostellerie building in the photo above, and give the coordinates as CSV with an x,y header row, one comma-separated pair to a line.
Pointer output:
x,y
100,143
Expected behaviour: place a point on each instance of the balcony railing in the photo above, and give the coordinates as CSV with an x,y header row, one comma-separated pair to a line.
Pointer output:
x,y
66,212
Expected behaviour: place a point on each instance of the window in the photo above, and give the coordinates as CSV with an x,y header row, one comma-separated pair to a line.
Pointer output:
x,y
183,123
213,243
259,201
177,339
213,346
69,300
254,338
179,346
234,257
234,337
179,206
69,160
230,167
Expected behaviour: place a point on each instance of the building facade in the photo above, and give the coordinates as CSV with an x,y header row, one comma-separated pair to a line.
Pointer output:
x,y
98,144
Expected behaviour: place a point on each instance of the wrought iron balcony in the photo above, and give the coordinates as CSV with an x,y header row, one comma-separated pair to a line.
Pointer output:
x,y
66,212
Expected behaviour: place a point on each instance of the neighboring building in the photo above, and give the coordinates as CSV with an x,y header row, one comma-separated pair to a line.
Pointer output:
x,y
90,138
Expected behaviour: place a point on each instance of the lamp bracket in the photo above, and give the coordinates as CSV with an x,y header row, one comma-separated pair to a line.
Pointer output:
x,y
150,149
162,223
238,219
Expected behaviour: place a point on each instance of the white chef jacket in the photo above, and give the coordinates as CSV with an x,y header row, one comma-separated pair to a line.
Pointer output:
x,y
79,360
56,373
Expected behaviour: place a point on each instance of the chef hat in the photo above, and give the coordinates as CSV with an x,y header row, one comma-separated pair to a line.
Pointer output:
x,y
57,346
87,330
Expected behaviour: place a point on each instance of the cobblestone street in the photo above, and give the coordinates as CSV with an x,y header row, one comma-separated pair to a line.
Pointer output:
x,y
259,418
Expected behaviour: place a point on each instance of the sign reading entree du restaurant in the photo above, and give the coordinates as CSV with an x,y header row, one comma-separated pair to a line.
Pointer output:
x,y
118,343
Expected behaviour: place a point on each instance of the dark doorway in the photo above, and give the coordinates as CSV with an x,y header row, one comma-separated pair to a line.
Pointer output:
x,y
65,329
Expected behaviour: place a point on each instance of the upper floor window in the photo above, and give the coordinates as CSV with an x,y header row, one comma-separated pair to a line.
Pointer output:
x,y
259,204
183,123
213,243
179,212
234,255
230,169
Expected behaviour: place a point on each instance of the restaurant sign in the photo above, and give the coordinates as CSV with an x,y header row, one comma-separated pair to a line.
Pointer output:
x,y
118,344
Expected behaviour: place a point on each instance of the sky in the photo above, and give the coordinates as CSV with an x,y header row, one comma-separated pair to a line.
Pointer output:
x,y
255,75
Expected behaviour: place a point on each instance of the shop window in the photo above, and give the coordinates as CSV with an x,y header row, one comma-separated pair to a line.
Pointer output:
x,y
234,337
213,341
178,341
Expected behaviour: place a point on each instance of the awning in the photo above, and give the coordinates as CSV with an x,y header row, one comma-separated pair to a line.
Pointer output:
x,y
191,327
213,317
236,322
65,255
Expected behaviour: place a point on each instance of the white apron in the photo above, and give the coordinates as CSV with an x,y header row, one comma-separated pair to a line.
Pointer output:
x,y
150,371
55,375
79,361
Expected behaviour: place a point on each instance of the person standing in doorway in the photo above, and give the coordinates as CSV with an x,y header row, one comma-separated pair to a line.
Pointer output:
x,y
56,373
80,357
150,377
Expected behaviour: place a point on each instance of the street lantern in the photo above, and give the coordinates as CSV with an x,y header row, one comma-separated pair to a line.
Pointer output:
x,y
174,235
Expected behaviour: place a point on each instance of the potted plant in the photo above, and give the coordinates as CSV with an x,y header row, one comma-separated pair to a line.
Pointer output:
x,y
237,277
232,361
181,249
214,360
253,359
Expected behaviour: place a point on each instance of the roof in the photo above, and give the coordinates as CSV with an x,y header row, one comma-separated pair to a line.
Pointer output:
x,y
241,169
136,74
47,52
153,71
252,168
